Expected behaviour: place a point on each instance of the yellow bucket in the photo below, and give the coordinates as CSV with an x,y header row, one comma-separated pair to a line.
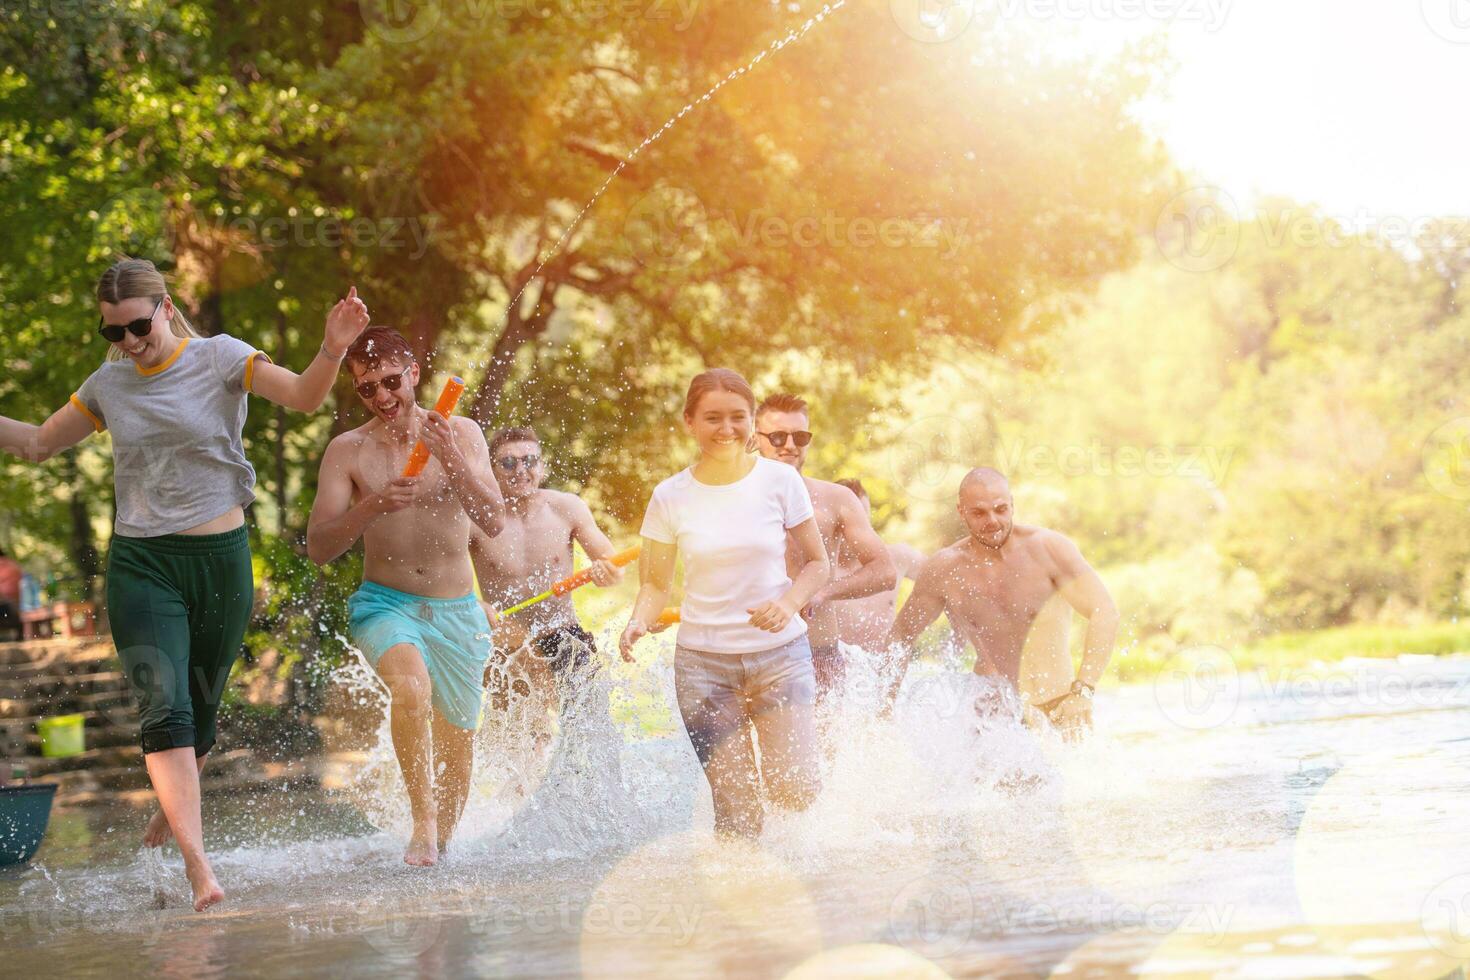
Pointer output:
x,y
61,736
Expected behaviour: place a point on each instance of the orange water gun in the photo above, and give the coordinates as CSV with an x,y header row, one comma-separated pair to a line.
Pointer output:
x,y
669,617
575,581
448,399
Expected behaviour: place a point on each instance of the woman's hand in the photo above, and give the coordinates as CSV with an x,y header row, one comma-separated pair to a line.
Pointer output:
x,y
772,617
632,633
345,323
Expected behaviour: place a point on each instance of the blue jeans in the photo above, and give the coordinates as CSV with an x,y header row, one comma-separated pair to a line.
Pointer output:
x,y
726,699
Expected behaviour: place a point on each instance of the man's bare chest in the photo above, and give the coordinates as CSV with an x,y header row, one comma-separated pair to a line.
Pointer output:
x,y
531,548
998,595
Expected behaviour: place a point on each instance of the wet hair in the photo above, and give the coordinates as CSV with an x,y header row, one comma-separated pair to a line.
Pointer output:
x,y
129,279
717,379
853,484
376,345
782,402
516,433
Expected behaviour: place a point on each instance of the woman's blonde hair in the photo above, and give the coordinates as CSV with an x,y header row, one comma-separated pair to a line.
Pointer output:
x,y
135,278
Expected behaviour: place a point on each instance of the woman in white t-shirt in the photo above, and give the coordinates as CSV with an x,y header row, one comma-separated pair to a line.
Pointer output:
x,y
742,665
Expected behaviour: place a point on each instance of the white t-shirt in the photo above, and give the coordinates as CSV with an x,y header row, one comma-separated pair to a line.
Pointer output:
x,y
733,541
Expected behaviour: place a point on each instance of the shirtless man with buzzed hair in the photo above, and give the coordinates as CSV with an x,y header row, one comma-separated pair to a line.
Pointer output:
x,y
868,620
1009,590
531,552
861,565
416,618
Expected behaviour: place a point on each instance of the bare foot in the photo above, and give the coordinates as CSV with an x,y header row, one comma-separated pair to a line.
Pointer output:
x,y
207,891
158,832
422,851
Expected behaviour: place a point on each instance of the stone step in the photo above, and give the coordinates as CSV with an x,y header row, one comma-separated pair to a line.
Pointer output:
x,y
52,650
60,660
117,703
94,758
50,685
110,716
98,738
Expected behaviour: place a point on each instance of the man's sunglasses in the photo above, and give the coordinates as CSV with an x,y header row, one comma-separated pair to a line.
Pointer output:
x,y
508,463
370,388
778,439
114,332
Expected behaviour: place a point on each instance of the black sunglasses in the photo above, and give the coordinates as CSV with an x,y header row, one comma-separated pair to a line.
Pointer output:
x,y
508,463
778,439
115,332
370,388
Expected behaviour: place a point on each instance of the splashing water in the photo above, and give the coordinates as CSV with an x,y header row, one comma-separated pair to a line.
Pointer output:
x,y
944,834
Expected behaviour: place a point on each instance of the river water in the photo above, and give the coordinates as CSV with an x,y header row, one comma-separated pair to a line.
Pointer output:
x,y
1297,824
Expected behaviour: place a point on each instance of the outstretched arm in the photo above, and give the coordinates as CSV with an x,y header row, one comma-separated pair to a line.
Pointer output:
x,y
306,391
66,427
876,573
925,604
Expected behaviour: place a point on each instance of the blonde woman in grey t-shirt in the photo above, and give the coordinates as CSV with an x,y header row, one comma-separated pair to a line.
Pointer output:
x,y
179,582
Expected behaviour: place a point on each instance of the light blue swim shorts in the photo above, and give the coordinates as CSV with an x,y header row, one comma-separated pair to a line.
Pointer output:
x,y
453,636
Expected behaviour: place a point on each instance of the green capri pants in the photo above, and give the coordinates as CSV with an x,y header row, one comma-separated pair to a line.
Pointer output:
x,y
179,605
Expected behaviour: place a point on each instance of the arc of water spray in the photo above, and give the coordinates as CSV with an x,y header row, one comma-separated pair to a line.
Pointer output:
x,y
794,34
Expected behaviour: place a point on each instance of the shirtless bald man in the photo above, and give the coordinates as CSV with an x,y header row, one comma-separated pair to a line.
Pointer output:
x,y
1009,590
860,563
869,619
533,551
415,618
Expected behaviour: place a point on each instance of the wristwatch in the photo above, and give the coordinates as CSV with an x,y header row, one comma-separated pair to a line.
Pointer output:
x,y
1083,689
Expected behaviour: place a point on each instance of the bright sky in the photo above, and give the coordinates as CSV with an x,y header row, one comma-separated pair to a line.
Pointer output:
x,y
1355,105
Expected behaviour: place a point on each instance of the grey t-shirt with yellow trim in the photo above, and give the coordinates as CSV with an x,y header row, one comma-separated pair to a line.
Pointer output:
x,y
177,457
